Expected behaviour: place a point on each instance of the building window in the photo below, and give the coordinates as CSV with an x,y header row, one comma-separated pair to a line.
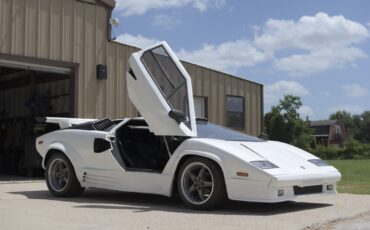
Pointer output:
x,y
235,118
200,105
337,129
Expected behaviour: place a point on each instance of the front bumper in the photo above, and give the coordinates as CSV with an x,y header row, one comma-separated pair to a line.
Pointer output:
x,y
282,188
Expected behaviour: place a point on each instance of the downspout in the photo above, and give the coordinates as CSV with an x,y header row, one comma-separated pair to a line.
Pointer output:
x,y
262,111
109,26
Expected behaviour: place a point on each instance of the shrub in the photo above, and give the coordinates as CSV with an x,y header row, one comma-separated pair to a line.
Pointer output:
x,y
352,149
331,152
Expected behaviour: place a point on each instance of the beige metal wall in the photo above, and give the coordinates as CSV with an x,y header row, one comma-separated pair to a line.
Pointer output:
x,y
217,85
74,31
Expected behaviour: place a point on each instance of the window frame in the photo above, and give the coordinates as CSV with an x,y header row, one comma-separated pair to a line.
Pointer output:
x,y
243,127
205,105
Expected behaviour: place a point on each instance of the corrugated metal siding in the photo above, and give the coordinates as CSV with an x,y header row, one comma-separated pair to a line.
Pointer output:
x,y
216,86
75,31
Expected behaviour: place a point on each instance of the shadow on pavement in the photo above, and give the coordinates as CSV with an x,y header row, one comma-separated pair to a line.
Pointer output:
x,y
104,199
11,179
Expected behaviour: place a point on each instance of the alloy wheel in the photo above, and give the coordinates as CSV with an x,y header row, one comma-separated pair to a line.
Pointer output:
x,y
197,183
58,175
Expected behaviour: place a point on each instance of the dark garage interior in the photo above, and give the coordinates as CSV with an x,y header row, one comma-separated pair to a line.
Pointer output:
x,y
25,93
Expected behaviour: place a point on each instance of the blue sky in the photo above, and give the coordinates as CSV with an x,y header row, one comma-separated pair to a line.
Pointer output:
x,y
318,50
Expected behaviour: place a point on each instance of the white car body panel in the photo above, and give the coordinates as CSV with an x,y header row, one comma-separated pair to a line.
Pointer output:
x,y
67,122
103,169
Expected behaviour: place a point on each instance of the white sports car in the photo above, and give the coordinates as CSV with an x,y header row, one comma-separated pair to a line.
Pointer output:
x,y
169,151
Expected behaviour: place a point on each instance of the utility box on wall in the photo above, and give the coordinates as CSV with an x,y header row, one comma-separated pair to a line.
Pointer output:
x,y
101,72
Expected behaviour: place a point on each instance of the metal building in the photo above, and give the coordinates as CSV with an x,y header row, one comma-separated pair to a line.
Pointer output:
x,y
51,52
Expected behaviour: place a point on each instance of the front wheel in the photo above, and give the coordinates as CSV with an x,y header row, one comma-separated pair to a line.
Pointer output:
x,y
61,178
201,184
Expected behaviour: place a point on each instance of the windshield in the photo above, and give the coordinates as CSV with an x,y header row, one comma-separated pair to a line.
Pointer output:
x,y
209,130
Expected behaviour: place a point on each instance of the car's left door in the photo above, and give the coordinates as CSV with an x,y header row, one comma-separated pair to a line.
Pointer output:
x,y
161,90
102,168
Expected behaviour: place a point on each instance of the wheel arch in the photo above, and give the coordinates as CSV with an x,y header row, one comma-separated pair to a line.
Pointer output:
x,y
59,148
184,157
72,186
50,153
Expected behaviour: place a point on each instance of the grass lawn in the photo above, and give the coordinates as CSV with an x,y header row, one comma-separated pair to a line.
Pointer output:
x,y
355,175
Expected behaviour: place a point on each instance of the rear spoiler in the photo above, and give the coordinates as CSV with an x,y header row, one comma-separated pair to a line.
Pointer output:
x,y
64,122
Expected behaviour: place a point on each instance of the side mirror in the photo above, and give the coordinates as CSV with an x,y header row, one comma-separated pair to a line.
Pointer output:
x,y
101,145
177,115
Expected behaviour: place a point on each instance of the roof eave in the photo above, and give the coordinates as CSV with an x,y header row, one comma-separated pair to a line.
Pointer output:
x,y
110,3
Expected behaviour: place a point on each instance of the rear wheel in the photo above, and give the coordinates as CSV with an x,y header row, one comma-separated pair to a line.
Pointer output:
x,y
61,178
201,184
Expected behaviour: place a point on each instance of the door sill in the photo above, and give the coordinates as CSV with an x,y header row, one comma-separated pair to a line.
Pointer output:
x,y
144,170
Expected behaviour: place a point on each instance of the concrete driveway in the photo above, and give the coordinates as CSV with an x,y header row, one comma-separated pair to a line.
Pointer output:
x,y
28,205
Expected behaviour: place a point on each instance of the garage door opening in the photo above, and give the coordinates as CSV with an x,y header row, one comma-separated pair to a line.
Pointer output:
x,y
26,92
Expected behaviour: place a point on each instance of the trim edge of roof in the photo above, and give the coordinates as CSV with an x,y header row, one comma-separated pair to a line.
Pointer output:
x,y
109,3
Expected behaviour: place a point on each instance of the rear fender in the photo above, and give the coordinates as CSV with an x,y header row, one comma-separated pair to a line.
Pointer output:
x,y
71,154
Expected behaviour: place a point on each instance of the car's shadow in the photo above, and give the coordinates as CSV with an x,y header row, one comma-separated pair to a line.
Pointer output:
x,y
104,199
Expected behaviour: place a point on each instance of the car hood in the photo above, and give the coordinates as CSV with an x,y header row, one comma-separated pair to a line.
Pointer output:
x,y
288,158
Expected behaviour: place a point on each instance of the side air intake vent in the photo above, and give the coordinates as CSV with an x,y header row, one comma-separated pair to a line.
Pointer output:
x,y
103,124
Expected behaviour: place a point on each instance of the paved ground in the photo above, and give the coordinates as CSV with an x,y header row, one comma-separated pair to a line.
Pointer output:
x,y
30,206
361,222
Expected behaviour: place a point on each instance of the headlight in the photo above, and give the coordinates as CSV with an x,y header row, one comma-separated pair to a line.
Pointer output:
x,y
318,162
264,164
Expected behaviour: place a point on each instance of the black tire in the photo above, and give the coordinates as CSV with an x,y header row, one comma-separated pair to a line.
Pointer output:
x,y
213,197
71,187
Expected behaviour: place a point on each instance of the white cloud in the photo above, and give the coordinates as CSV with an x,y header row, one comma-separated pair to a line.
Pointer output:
x,y
136,40
228,56
139,7
305,111
311,33
354,90
318,60
327,42
276,91
312,44
203,5
354,109
165,21
222,57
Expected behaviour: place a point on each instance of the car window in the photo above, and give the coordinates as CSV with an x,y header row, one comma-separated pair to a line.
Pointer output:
x,y
169,79
209,130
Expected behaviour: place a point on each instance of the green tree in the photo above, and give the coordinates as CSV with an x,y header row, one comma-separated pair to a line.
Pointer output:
x,y
363,133
284,124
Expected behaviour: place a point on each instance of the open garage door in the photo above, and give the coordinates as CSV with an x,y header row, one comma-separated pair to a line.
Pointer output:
x,y
27,91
